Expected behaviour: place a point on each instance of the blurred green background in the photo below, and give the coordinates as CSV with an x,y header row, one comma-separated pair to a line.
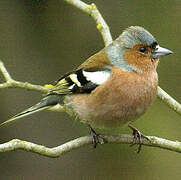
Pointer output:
x,y
39,41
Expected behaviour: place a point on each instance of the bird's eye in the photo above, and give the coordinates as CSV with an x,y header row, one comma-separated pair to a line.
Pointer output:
x,y
142,49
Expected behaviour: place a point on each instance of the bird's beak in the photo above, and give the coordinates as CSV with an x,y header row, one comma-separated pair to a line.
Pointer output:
x,y
159,51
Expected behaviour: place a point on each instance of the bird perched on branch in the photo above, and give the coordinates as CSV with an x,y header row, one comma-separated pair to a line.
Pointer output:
x,y
111,88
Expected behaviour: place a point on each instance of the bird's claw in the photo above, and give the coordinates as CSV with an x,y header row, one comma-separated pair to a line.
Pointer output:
x,y
137,135
96,138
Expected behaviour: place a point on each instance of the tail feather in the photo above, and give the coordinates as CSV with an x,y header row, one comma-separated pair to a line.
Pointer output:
x,y
45,103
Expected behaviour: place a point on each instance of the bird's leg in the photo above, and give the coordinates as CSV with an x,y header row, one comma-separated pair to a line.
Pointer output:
x,y
137,135
96,138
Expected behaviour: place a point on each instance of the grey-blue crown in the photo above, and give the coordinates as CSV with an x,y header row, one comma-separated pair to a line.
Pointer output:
x,y
136,35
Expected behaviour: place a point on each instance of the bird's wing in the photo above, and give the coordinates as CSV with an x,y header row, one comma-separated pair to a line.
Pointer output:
x,y
97,61
93,72
80,81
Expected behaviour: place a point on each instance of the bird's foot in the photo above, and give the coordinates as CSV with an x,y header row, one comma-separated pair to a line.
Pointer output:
x,y
96,138
137,135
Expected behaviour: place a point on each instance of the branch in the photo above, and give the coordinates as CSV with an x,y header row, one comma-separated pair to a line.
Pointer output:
x,y
11,83
16,144
95,14
167,99
82,141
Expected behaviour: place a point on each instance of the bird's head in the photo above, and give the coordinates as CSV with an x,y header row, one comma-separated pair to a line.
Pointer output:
x,y
138,50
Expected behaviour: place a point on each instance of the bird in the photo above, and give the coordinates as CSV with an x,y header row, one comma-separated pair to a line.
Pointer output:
x,y
111,88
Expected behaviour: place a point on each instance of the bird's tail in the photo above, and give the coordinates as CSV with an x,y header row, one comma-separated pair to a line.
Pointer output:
x,y
45,103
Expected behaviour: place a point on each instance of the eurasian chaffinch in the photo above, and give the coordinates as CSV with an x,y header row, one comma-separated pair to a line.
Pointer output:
x,y
111,88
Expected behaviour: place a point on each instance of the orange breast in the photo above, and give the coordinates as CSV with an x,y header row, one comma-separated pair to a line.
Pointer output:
x,y
123,98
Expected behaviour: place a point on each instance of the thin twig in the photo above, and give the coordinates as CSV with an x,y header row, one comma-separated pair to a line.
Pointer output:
x,y
5,73
10,83
167,99
24,85
92,10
